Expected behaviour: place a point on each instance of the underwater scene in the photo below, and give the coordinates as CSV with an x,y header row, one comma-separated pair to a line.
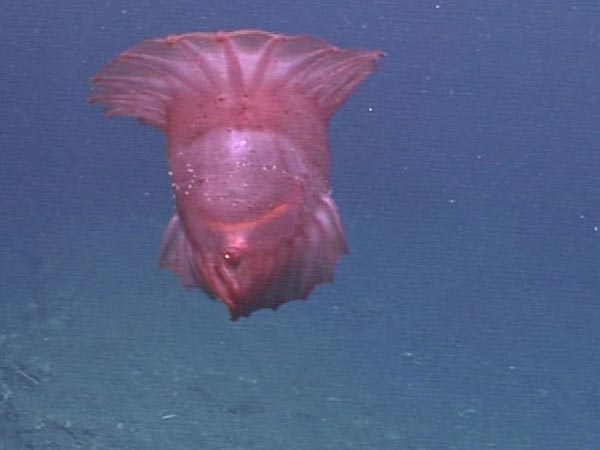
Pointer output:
x,y
285,225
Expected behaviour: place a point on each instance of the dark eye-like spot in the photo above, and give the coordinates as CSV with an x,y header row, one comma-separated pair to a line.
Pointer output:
x,y
232,257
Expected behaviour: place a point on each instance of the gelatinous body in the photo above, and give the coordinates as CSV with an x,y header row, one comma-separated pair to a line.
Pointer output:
x,y
245,114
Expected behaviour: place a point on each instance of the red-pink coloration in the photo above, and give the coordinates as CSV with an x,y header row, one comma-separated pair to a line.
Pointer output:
x,y
245,113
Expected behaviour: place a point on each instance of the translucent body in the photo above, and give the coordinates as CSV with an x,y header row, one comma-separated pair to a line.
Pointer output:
x,y
246,117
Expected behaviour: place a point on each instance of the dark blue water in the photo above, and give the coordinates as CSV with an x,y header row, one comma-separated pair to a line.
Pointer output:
x,y
466,171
